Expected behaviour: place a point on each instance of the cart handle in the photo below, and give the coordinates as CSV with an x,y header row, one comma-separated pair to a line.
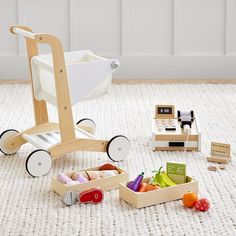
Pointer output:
x,y
22,30
24,33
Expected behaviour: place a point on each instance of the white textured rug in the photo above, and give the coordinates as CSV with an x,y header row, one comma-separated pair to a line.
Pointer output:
x,y
29,207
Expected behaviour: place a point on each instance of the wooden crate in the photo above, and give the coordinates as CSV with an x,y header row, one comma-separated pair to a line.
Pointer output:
x,y
107,183
139,200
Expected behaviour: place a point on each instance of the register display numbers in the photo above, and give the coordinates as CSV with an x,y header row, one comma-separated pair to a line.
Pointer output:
x,y
164,110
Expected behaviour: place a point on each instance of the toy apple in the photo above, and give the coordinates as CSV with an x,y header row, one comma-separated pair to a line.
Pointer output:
x,y
202,205
189,199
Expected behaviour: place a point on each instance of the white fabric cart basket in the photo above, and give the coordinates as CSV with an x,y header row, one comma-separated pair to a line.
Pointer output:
x,y
89,76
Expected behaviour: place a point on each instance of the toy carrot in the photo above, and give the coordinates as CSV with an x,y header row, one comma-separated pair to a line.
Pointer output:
x,y
147,187
151,187
143,187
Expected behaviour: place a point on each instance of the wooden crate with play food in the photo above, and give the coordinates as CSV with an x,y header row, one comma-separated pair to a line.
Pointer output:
x,y
155,196
109,181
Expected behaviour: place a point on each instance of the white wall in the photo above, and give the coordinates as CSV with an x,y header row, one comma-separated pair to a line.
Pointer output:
x,y
152,38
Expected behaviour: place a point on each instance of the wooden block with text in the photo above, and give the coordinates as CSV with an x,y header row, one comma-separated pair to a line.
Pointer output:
x,y
220,153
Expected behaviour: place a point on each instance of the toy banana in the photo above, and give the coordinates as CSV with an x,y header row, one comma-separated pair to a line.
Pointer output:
x,y
162,179
167,179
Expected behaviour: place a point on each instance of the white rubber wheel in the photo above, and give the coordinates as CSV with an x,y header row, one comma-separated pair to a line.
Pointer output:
x,y
86,122
38,163
118,148
3,138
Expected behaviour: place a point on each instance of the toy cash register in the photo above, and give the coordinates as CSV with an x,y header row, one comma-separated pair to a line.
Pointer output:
x,y
172,132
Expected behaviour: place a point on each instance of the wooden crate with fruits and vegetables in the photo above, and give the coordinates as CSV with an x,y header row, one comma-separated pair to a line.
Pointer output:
x,y
159,188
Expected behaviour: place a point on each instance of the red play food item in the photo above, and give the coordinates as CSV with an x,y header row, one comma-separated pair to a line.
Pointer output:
x,y
202,205
189,199
107,167
143,187
93,195
97,196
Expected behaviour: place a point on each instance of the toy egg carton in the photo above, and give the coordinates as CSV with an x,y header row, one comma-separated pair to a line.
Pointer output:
x,y
168,133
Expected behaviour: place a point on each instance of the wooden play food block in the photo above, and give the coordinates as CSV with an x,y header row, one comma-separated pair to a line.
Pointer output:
x,y
139,200
220,153
107,183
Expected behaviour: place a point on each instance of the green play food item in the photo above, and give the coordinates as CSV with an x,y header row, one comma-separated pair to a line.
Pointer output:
x,y
176,171
158,179
167,180
162,179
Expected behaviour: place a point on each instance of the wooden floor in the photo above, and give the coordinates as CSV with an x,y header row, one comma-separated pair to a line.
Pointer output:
x,y
147,81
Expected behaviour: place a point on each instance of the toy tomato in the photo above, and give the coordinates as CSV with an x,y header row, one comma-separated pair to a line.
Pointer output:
x,y
202,205
189,199
107,166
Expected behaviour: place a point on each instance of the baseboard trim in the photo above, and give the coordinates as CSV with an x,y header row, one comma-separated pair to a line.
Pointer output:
x,y
149,67
14,81
174,81
144,81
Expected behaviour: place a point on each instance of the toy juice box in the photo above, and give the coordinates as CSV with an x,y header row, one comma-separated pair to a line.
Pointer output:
x,y
176,171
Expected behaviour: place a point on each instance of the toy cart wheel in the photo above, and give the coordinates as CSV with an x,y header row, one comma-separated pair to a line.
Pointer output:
x,y
118,148
88,125
38,163
3,137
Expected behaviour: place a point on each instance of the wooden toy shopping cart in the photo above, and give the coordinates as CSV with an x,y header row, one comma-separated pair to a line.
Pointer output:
x,y
62,79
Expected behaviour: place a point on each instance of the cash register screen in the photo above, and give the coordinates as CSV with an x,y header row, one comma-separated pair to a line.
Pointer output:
x,y
164,110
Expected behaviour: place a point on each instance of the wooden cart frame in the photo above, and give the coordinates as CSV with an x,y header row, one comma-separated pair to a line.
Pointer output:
x,y
69,142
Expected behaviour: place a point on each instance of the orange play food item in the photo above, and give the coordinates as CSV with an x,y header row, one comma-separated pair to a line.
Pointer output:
x,y
143,187
107,167
189,199
151,187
